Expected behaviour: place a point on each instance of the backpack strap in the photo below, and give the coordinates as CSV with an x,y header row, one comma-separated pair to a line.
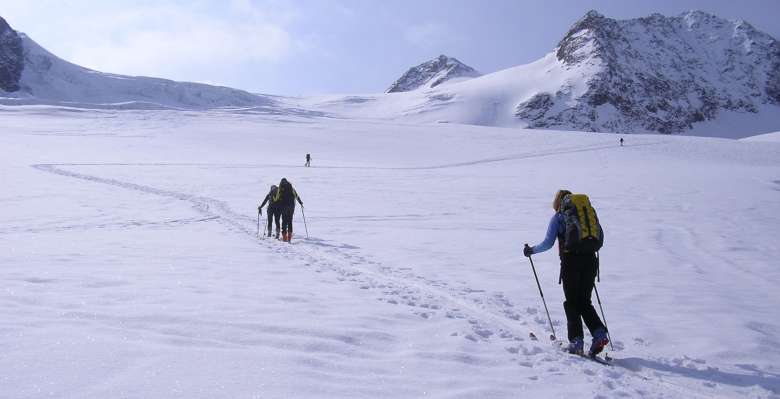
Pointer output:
x,y
560,275
561,251
598,269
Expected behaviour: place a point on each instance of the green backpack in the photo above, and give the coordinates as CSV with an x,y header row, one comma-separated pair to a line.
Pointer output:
x,y
583,233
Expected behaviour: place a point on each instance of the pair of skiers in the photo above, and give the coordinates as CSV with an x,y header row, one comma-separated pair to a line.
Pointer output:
x,y
281,203
576,227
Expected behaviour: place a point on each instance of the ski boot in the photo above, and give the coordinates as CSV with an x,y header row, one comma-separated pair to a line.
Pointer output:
x,y
576,346
600,340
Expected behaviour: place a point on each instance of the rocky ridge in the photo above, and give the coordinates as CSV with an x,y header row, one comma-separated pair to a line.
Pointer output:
x,y
659,74
11,58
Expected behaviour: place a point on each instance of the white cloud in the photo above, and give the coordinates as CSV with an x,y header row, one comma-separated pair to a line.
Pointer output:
x,y
193,40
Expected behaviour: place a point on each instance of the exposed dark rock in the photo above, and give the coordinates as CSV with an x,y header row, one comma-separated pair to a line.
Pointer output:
x,y
11,58
535,108
773,78
592,29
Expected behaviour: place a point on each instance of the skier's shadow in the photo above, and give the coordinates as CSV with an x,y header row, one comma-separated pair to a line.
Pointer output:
x,y
710,375
322,243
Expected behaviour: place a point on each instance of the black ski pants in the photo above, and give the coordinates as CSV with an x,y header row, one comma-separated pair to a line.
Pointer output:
x,y
287,218
273,216
578,272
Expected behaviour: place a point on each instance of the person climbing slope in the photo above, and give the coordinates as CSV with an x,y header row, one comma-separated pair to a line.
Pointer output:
x,y
273,209
286,197
579,234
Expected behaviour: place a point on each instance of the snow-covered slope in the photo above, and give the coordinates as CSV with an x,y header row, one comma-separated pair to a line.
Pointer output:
x,y
131,266
46,79
489,100
433,73
694,73
773,137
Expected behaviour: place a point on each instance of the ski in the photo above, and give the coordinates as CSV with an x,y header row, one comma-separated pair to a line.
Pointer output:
x,y
600,360
606,360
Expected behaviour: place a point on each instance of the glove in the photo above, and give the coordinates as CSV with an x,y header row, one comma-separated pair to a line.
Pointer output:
x,y
528,251
300,202
260,210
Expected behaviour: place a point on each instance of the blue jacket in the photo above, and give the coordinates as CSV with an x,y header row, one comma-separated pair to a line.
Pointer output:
x,y
554,230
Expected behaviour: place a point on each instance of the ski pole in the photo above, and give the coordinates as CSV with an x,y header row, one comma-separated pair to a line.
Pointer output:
x,y
602,316
258,222
552,337
304,222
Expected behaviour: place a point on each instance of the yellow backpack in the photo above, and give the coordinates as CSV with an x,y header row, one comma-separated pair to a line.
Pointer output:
x,y
583,233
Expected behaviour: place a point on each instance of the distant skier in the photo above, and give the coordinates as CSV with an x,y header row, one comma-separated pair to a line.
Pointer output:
x,y
308,160
274,211
621,141
286,197
579,266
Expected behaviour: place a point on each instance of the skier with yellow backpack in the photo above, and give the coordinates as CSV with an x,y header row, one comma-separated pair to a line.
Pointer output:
x,y
576,227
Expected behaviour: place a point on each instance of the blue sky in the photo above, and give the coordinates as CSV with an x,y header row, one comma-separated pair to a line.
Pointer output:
x,y
322,46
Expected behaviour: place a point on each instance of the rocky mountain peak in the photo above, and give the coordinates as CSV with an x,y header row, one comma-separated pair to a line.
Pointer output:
x,y
587,38
432,73
660,73
11,58
4,27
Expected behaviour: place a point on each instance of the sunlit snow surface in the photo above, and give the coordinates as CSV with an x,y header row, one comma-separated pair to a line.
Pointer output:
x,y
771,137
131,266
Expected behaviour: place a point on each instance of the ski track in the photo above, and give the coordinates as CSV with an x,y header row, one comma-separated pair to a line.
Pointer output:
x,y
108,226
489,317
503,158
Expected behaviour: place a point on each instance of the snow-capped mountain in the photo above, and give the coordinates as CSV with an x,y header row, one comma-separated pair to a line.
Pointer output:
x,y
432,73
31,74
659,74
694,73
